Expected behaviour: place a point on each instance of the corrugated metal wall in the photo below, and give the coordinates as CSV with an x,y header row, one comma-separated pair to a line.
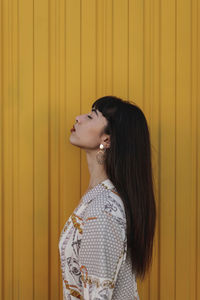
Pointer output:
x,y
57,57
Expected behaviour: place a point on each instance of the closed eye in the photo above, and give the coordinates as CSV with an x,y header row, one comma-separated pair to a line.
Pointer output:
x,y
89,117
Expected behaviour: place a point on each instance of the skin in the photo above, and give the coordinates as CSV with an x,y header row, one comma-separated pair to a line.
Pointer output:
x,y
88,136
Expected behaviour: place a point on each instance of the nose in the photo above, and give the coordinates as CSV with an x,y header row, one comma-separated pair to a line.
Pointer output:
x,y
77,119
80,118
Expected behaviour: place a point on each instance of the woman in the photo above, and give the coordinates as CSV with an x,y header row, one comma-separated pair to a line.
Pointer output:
x,y
108,240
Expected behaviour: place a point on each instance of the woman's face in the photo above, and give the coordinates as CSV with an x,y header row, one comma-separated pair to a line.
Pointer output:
x,y
88,131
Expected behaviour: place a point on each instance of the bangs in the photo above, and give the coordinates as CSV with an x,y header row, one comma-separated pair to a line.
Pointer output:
x,y
107,105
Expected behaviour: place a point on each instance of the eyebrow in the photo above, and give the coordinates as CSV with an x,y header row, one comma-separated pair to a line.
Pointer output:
x,y
95,111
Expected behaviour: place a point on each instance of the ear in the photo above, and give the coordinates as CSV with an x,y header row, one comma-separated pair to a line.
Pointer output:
x,y
106,141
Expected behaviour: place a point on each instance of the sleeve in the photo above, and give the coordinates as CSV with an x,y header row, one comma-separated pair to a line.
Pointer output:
x,y
100,256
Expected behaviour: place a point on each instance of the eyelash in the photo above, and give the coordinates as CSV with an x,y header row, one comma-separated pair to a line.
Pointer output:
x,y
89,117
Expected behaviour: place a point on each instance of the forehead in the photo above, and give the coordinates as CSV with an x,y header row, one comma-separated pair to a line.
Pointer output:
x,y
97,112
99,117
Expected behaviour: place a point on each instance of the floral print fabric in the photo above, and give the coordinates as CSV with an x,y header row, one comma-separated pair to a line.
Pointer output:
x,y
93,248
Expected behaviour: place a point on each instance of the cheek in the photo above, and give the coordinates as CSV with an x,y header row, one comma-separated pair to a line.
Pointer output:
x,y
90,136
94,131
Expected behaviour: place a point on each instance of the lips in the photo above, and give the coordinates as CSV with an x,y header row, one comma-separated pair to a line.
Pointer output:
x,y
72,129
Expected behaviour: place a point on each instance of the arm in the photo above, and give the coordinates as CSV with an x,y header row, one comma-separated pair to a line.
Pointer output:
x,y
100,256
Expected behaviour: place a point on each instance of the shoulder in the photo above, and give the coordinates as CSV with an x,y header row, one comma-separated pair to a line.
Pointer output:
x,y
107,205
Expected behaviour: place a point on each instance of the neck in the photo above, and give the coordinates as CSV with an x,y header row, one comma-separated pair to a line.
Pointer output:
x,y
97,171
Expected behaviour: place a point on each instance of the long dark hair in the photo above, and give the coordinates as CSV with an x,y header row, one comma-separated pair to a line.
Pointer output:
x,y
128,165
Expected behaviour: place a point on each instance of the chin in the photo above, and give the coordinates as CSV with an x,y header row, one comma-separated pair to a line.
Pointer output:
x,y
73,141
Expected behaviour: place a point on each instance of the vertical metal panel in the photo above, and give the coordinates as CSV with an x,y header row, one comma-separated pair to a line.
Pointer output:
x,y
73,96
56,58
54,196
108,47
136,51
195,251
197,134
7,239
15,123
120,48
100,48
1,151
26,149
184,112
41,150
88,70
154,127
167,150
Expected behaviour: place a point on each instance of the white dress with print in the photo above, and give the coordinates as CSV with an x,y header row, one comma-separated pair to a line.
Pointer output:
x,y
93,248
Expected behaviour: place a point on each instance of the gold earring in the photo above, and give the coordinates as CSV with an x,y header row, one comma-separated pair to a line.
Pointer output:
x,y
100,156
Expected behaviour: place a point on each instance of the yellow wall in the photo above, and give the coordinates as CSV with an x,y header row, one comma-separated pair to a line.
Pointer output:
x,y
57,57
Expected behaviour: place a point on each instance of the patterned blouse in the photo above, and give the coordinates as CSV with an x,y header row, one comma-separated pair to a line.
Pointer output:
x,y
93,248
